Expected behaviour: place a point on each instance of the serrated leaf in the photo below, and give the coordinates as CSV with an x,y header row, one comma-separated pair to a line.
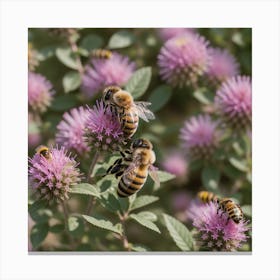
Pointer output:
x,y
179,233
139,248
63,103
159,97
210,178
148,215
145,222
142,201
85,188
164,176
91,42
238,164
139,82
105,224
66,57
38,234
121,39
71,81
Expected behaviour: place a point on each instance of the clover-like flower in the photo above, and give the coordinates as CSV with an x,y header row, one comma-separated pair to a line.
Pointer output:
x,y
101,72
183,59
175,163
214,231
53,177
70,131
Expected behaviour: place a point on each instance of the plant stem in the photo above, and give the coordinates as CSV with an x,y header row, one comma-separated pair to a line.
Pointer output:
x,y
75,49
123,235
66,217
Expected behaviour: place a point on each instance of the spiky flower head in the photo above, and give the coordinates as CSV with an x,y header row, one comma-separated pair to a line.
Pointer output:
x,y
223,65
200,137
102,72
40,92
215,232
70,130
53,177
183,59
168,33
103,130
234,102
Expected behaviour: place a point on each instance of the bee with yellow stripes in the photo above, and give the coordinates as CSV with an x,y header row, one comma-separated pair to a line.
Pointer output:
x,y
227,205
101,53
134,167
126,109
44,152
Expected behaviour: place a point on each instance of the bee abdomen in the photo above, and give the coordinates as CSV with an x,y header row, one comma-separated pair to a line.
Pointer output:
x,y
206,197
104,54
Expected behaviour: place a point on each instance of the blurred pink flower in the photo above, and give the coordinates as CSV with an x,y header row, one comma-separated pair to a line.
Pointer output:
x,y
199,137
103,130
34,135
168,33
100,73
180,203
71,130
234,102
183,59
39,92
52,178
215,231
175,163
223,65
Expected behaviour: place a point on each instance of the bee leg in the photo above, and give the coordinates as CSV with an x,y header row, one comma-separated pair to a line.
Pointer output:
x,y
117,175
115,164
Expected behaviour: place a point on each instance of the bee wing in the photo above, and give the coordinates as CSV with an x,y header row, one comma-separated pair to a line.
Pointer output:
x,y
143,112
128,173
154,175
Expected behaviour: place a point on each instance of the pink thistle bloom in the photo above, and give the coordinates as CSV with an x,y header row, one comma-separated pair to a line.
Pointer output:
x,y
100,73
103,130
52,178
234,102
200,137
215,231
223,65
70,132
175,163
183,59
168,33
39,92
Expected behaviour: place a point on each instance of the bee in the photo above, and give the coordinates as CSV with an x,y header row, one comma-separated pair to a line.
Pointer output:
x,y
100,53
232,209
134,166
206,197
126,109
44,152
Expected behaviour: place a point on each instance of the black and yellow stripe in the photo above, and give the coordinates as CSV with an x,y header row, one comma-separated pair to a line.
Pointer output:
x,y
129,123
232,209
103,54
206,197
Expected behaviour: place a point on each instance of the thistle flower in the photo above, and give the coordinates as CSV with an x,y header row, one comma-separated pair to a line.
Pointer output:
x,y
223,65
183,59
52,178
39,92
100,73
168,33
200,137
71,130
214,231
234,102
103,130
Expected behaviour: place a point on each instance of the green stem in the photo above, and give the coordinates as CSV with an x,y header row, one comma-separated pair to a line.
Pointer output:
x,y
124,239
66,217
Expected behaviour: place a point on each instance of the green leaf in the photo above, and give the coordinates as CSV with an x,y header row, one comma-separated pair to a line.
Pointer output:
x,y
91,42
144,222
247,210
179,233
46,52
238,164
38,234
35,206
39,211
159,97
73,223
201,95
121,39
109,201
71,81
147,215
139,248
85,188
210,178
65,56
142,201
139,82
75,226
164,176
105,224
64,103
58,228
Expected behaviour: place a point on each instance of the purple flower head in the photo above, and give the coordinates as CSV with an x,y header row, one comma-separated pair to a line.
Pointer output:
x,y
175,163
200,137
100,73
168,33
52,178
103,130
183,59
215,231
70,132
223,65
39,92
234,102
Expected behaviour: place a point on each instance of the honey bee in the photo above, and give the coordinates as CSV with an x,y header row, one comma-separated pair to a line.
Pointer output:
x,y
44,152
206,197
100,53
126,109
134,166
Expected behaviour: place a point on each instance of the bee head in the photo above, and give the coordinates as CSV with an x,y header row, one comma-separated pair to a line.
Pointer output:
x,y
109,91
142,143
